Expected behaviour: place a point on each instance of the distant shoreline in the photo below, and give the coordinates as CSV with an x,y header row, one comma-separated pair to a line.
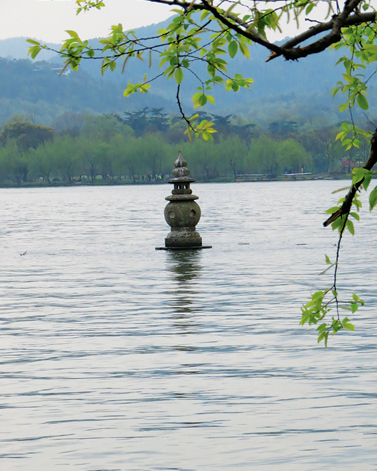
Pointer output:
x,y
281,178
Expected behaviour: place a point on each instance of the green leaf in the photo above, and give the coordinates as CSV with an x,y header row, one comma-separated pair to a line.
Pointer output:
x,y
321,327
332,210
354,307
74,35
355,215
197,96
31,41
202,100
358,174
244,49
233,48
350,227
34,51
362,101
204,15
178,75
348,78
349,326
345,127
367,180
373,198
371,48
338,223
340,136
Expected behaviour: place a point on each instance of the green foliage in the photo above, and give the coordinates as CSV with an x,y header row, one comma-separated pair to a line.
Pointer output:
x,y
293,156
359,43
373,198
323,302
145,141
343,222
364,176
204,128
104,127
26,134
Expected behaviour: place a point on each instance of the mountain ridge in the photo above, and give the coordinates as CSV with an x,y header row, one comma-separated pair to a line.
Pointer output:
x,y
279,87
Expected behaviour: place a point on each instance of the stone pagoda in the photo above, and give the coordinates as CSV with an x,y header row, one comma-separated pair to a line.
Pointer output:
x,y
182,213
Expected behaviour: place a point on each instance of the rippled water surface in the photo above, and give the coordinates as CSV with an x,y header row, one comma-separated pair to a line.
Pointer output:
x,y
115,356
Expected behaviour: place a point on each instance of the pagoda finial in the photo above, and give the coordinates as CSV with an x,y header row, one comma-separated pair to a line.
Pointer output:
x,y
180,162
180,169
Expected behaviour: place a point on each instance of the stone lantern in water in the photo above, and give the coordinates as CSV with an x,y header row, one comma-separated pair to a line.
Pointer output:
x,y
182,213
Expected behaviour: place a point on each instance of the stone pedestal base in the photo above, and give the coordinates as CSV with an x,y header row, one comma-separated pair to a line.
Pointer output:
x,y
183,237
185,248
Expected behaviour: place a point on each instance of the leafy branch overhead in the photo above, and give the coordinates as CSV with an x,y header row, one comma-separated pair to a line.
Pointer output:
x,y
209,32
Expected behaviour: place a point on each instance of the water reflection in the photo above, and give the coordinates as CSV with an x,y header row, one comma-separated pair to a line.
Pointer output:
x,y
184,264
184,268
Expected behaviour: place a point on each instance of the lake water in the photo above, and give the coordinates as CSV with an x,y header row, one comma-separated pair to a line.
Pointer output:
x,y
115,356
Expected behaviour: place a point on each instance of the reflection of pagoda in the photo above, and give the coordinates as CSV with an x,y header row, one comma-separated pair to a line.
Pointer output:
x,y
184,268
182,213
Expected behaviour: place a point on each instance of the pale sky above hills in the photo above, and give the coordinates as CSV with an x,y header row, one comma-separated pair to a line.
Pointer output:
x,y
48,19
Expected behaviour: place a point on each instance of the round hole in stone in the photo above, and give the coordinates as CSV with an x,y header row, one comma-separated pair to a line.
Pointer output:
x,y
192,213
171,215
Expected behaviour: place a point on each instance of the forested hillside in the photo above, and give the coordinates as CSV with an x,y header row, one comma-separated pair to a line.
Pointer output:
x,y
281,89
36,90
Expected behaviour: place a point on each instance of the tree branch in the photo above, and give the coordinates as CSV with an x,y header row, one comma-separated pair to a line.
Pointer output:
x,y
335,25
322,27
288,50
346,206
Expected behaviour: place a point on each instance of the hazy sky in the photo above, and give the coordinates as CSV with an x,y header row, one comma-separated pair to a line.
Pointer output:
x,y
48,19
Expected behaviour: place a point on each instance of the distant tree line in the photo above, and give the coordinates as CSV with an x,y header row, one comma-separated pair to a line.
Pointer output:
x,y
142,146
